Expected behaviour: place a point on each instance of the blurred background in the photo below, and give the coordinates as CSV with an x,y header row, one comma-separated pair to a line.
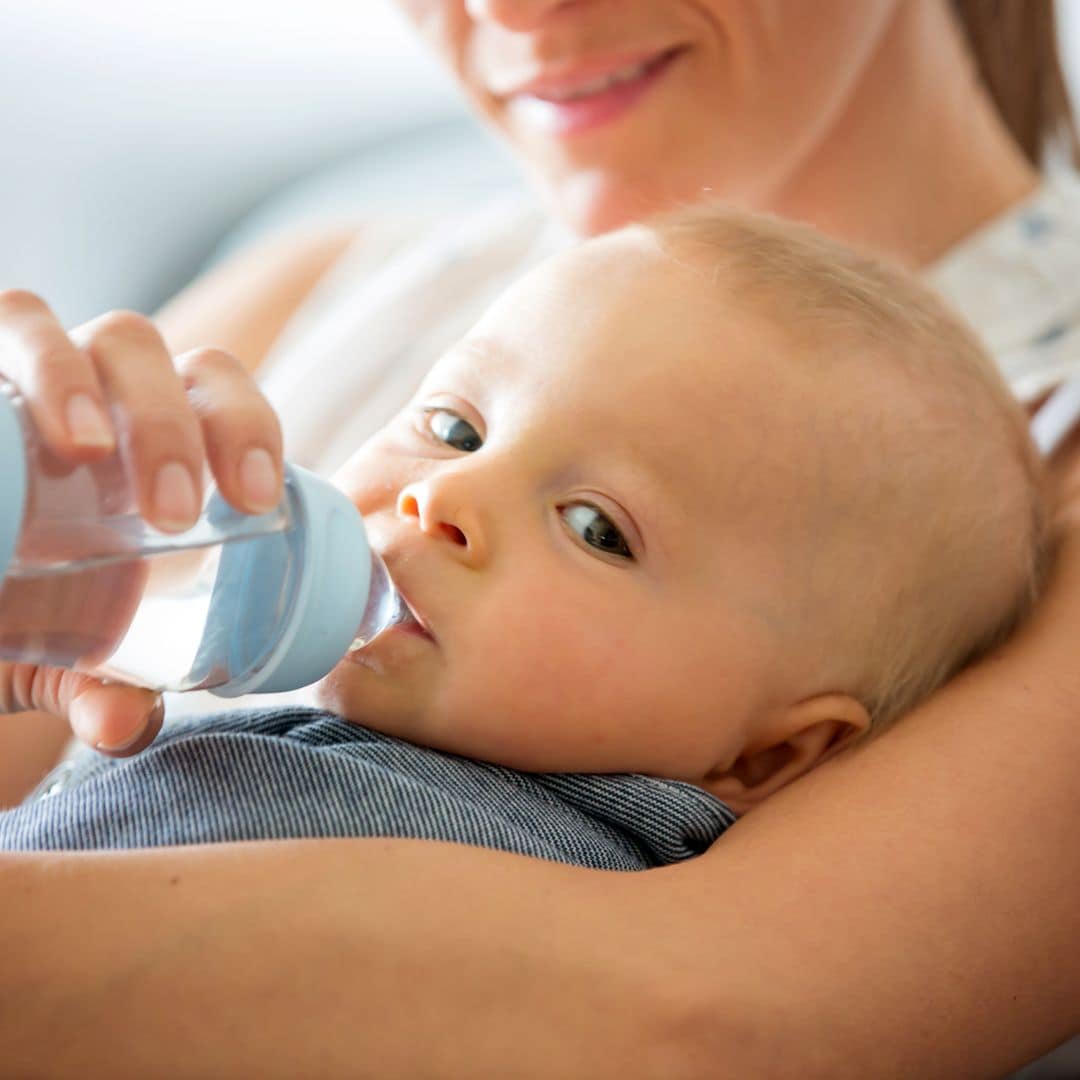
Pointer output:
x,y
141,138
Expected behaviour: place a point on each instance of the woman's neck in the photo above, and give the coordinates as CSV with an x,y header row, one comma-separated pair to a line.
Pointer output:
x,y
919,159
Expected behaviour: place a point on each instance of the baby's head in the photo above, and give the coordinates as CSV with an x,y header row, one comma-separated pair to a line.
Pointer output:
x,y
709,499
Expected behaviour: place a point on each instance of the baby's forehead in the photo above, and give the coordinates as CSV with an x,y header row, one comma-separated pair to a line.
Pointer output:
x,y
669,441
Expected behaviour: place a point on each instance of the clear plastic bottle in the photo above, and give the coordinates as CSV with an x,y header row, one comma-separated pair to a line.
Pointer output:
x,y
237,604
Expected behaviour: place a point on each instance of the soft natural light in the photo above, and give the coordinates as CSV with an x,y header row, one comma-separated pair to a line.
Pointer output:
x,y
333,25
117,113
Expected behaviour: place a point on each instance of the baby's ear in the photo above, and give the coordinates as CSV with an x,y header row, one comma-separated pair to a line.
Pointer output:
x,y
803,736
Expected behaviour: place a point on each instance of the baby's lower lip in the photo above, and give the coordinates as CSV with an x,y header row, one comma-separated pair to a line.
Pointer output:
x,y
411,626
408,627
411,623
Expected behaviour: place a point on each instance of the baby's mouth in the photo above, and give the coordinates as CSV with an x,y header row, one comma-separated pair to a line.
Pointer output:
x,y
410,623
403,620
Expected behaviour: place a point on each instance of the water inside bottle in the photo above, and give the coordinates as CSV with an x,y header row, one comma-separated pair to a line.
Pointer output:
x,y
144,620
154,620
69,618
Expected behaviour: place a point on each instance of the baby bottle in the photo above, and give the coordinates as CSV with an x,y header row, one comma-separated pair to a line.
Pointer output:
x,y
237,604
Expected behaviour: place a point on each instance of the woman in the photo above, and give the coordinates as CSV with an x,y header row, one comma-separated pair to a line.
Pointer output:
x,y
869,921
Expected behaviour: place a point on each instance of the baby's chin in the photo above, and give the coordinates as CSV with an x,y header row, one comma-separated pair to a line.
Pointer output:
x,y
397,710
338,693
361,697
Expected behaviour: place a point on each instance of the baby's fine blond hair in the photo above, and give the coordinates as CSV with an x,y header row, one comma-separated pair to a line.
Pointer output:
x,y
942,514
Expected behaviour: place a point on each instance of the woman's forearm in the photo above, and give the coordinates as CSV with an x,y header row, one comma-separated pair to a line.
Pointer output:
x,y
912,909
339,958
908,910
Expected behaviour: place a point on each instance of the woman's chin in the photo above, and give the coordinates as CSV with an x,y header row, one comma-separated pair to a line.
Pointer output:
x,y
588,203
591,201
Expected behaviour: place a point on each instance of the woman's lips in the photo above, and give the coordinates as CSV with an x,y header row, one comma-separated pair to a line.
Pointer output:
x,y
570,106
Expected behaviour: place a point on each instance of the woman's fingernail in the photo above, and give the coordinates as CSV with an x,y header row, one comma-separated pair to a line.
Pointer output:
x,y
87,423
121,744
80,725
176,504
259,480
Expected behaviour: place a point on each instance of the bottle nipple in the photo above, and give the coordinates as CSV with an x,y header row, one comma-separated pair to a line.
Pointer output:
x,y
385,606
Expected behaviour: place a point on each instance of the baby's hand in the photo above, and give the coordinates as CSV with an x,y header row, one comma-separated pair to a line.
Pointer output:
x,y
110,384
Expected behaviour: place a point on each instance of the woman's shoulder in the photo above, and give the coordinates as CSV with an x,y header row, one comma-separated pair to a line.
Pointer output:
x,y
1017,281
418,243
403,292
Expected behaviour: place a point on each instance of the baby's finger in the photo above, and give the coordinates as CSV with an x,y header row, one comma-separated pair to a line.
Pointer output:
x,y
57,380
240,429
158,432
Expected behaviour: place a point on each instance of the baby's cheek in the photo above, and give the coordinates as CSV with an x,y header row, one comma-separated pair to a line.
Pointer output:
x,y
539,627
541,685
373,476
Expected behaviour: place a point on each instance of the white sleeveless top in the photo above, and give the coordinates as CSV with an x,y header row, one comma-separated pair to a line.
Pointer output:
x,y
405,291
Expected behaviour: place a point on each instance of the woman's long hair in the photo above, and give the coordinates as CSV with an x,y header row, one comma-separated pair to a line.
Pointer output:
x,y
1015,47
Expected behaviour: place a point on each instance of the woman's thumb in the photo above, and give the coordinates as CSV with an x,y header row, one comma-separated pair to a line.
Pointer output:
x,y
115,719
111,717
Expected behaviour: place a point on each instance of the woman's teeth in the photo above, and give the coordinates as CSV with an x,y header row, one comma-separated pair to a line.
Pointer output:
x,y
598,85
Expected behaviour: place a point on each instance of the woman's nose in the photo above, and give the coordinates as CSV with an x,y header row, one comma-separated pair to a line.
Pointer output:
x,y
516,14
440,511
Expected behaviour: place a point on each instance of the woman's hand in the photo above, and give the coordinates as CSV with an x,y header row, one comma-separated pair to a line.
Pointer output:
x,y
111,385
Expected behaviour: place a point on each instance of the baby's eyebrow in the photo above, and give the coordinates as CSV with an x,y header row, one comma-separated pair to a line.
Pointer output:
x,y
476,361
480,347
645,492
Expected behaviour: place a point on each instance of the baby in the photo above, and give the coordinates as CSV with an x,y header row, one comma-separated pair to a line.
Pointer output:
x,y
706,501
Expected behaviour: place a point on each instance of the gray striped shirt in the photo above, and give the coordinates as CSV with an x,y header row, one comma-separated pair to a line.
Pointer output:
x,y
291,772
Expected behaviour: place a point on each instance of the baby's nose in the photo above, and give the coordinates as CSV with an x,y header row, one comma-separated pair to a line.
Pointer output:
x,y
415,502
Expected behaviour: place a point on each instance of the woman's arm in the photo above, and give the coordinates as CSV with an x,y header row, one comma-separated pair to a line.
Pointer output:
x,y
30,745
240,306
243,304
907,910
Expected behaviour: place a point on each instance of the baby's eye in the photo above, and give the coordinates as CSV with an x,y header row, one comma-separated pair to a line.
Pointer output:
x,y
451,429
596,529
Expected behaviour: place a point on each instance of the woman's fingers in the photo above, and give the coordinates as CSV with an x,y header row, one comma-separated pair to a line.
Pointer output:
x,y
158,432
115,719
112,382
240,430
57,380
173,418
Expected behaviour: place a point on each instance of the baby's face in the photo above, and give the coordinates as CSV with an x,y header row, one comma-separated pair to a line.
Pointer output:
x,y
586,505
